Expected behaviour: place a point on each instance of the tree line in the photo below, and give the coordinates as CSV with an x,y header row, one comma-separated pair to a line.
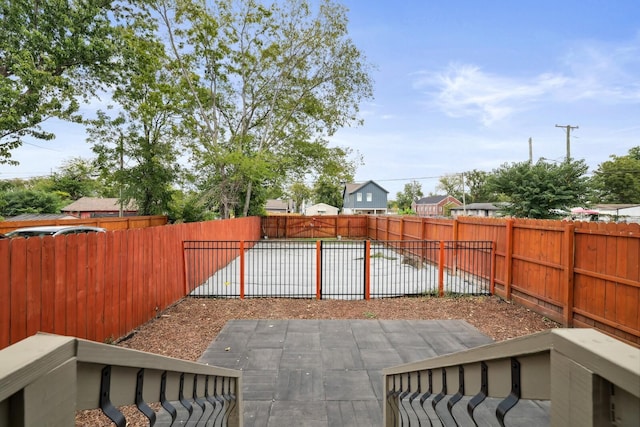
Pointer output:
x,y
542,189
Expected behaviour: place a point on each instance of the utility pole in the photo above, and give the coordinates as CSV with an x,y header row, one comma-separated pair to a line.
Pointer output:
x,y
530,150
568,128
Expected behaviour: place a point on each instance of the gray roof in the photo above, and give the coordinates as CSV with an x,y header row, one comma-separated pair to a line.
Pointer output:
x,y
37,217
277,205
478,206
352,187
97,204
431,200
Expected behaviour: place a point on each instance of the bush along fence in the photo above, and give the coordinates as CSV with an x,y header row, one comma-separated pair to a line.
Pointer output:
x,y
338,269
98,286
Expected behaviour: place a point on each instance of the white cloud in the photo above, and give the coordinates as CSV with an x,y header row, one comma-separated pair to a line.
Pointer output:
x,y
602,72
467,91
590,71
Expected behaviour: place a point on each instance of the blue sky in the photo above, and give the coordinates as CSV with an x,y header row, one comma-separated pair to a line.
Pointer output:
x,y
462,85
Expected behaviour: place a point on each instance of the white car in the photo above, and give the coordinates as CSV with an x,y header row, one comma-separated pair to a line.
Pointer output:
x,y
53,230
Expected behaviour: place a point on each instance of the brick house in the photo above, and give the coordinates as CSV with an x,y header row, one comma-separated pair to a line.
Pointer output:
x,y
435,206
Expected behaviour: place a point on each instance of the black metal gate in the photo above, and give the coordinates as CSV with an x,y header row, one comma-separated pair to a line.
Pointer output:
x,y
337,269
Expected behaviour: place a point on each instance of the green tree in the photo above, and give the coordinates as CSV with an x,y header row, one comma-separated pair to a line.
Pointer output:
x,y
618,180
55,54
145,134
18,202
412,192
269,83
476,188
77,178
299,192
451,185
328,190
536,190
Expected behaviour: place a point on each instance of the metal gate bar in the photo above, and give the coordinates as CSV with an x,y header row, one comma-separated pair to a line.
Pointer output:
x,y
339,269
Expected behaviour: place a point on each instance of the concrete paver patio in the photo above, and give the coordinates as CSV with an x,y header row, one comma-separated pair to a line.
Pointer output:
x,y
327,372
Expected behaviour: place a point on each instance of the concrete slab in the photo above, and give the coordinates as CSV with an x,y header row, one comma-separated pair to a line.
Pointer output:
x,y
327,372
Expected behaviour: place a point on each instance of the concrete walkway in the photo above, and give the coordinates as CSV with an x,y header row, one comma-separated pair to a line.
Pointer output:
x,y
327,372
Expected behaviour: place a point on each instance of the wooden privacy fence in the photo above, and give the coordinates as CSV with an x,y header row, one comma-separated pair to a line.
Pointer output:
x,y
576,273
110,223
314,227
99,286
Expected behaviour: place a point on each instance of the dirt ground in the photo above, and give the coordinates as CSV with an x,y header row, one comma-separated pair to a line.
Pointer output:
x,y
187,328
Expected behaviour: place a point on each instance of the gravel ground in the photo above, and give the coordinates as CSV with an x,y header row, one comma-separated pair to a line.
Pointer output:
x,y
187,328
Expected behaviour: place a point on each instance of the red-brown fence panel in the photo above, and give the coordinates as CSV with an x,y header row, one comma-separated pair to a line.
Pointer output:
x,y
5,293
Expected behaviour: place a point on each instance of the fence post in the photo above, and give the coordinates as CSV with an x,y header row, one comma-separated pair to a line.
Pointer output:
x,y
184,268
441,270
387,229
367,269
455,230
454,267
492,279
241,269
401,229
569,252
318,269
508,260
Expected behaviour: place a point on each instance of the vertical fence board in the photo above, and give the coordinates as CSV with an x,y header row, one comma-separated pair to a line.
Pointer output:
x,y
115,302
60,303
82,312
71,284
99,288
34,283
18,290
48,285
92,312
131,261
5,293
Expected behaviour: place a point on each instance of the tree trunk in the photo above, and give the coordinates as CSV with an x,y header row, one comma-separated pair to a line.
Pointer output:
x,y
247,199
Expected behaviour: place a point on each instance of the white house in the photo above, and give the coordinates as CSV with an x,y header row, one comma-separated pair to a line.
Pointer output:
x,y
321,209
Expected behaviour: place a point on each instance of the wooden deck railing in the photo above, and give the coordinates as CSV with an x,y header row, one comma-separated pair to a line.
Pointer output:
x,y
45,378
589,379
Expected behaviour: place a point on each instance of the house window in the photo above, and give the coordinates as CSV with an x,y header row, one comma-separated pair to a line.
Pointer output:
x,y
369,197
359,197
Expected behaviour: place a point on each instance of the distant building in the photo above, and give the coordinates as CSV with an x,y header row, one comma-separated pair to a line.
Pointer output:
x,y
476,209
97,207
321,209
619,212
277,206
364,199
434,206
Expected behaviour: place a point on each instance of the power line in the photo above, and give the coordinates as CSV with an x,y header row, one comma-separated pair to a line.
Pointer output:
x,y
408,179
